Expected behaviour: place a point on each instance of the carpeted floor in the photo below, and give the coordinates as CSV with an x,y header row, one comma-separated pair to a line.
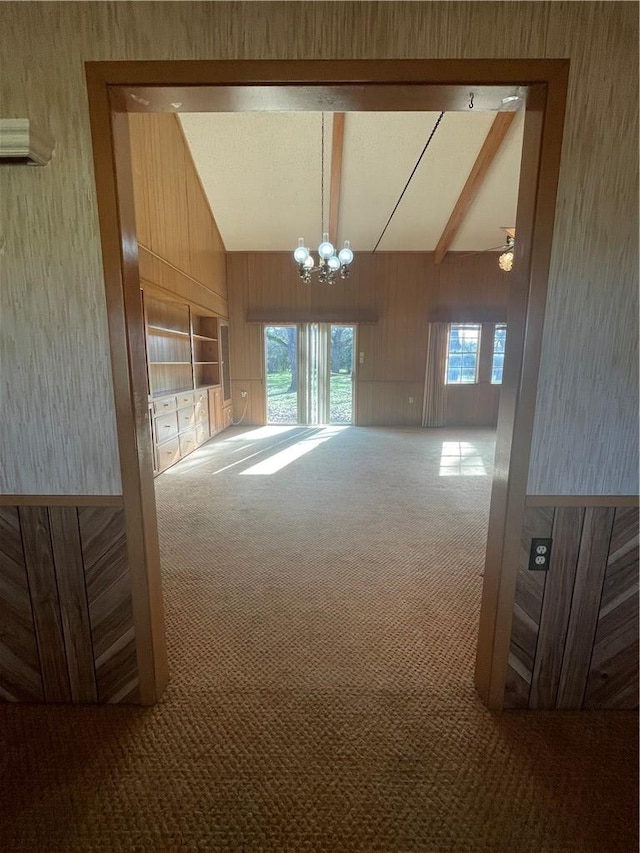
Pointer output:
x,y
322,590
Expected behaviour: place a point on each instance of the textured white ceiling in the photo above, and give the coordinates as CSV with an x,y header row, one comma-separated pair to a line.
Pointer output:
x,y
262,176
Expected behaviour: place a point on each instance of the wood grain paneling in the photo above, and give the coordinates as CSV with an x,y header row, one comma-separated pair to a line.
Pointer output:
x,y
108,585
20,678
556,606
526,612
613,674
574,637
592,562
36,536
403,291
181,250
72,594
66,616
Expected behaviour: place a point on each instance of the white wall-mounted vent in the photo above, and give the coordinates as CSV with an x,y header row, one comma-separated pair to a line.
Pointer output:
x,y
21,144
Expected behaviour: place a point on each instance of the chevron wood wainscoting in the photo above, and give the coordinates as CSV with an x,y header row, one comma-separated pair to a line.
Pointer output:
x,y
574,638
66,619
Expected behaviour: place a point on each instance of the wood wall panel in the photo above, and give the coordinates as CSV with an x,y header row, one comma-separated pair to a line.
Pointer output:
x,y
74,610
20,678
159,168
556,606
473,405
180,248
403,292
527,610
254,414
574,638
36,536
66,621
590,570
166,282
55,333
387,403
108,585
613,674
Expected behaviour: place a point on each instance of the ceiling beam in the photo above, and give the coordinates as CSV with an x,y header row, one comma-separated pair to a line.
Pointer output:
x,y
336,175
490,147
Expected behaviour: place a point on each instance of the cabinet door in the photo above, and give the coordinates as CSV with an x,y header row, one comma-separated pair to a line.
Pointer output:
x,y
215,410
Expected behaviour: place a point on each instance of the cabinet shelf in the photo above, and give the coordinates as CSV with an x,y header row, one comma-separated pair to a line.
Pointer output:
x,y
205,362
205,338
165,363
163,330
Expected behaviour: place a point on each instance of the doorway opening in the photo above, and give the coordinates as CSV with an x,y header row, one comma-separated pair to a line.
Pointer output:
x,y
309,373
116,89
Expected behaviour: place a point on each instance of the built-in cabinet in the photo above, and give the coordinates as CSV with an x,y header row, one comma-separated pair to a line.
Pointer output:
x,y
188,374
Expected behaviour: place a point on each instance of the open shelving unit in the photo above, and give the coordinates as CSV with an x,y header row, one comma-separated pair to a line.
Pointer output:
x,y
185,372
206,351
169,352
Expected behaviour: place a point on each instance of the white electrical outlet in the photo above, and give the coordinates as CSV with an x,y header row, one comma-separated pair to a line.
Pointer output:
x,y
410,400
361,359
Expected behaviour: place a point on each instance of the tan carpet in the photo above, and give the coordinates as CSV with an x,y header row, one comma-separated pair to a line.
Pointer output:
x,y
322,622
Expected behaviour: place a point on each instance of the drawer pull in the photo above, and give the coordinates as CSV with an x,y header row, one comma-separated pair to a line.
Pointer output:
x,y
167,426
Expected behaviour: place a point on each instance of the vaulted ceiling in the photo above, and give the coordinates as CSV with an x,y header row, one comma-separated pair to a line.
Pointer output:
x,y
262,175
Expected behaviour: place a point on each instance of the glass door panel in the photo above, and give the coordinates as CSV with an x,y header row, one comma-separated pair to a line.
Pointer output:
x,y
281,371
341,374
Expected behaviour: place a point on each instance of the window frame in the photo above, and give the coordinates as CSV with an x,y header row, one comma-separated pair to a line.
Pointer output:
x,y
476,379
497,326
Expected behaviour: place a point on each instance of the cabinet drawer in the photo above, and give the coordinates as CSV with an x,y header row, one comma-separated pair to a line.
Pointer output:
x,y
202,413
187,442
200,398
166,426
184,399
228,416
202,433
186,418
167,453
167,404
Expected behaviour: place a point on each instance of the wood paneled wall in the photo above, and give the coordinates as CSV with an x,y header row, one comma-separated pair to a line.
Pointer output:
x,y
395,295
181,252
574,639
65,606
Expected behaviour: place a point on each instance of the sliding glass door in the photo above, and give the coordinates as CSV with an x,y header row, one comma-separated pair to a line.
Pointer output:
x,y
281,374
309,370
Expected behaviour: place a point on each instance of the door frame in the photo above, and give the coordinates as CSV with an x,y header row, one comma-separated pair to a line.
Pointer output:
x,y
115,88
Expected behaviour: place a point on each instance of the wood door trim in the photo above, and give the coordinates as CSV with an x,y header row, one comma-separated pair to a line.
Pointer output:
x,y
546,81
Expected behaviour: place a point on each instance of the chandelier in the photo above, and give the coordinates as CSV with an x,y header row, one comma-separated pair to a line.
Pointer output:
x,y
505,261
329,264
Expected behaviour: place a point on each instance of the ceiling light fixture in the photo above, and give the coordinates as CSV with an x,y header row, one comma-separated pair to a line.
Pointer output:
x,y
505,261
329,263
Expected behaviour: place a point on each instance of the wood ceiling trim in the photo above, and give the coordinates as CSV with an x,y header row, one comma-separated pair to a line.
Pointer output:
x,y
337,147
485,158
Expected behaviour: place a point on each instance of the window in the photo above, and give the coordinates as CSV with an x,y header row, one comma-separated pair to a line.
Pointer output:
x,y
499,340
463,346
